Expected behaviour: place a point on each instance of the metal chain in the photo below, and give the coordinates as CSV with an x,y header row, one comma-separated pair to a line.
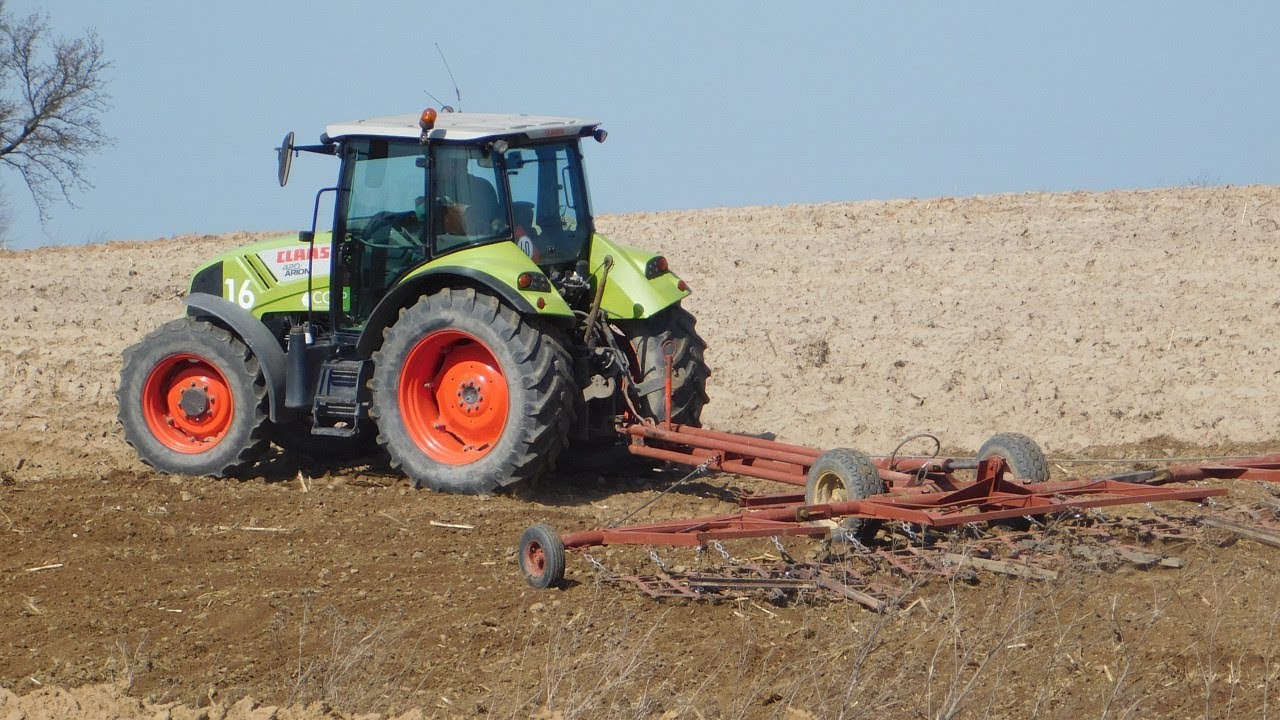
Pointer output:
x,y
851,538
724,553
695,473
782,551
906,529
599,566
653,555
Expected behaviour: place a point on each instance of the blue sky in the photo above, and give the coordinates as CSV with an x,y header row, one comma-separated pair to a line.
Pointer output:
x,y
708,104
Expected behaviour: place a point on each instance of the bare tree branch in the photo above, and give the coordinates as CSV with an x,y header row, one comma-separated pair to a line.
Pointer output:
x,y
52,96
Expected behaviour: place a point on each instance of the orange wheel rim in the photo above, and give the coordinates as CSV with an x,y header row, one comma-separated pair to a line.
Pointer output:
x,y
535,560
187,403
453,397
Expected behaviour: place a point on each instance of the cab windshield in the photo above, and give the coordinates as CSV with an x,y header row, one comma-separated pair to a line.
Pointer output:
x,y
550,220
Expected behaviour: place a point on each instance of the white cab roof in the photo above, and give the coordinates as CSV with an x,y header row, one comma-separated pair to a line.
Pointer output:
x,y
461,126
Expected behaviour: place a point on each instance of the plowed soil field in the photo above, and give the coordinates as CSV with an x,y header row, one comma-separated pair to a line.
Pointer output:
x,y
1122,327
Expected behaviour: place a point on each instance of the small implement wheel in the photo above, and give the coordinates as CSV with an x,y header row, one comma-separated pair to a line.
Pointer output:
x,y
842,475
193,401
469,395
1020,453
541,556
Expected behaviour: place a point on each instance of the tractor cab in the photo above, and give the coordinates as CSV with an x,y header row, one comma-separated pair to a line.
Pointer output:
x,y
415,189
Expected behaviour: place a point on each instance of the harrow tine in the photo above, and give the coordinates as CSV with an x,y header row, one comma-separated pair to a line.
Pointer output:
x,y
1257,534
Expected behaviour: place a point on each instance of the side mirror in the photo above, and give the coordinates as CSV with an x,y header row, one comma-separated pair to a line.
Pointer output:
x,y
284,158
307,236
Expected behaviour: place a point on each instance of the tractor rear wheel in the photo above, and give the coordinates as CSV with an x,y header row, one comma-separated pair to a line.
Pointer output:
x,y
689,370
842,475
470,396
193,400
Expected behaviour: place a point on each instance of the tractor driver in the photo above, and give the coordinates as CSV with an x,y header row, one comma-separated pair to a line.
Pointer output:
x,y
397,229
465,204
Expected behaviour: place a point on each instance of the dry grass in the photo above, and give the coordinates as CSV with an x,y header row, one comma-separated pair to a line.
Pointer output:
x,y
351,663
1155,644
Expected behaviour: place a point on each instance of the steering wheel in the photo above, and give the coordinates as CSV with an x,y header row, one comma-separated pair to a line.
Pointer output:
x,y
389,225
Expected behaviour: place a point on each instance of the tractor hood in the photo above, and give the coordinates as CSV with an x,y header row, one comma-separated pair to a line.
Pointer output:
x,y
269,276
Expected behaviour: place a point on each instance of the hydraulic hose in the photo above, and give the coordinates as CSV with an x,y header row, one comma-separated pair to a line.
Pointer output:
x,y
595,303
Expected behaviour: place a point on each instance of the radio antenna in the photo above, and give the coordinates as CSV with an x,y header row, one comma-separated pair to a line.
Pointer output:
x,y
433,97
457,93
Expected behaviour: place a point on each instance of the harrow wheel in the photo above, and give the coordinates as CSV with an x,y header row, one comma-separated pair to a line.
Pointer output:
x,y
842,475
542,557
193,400
1020,453
470,396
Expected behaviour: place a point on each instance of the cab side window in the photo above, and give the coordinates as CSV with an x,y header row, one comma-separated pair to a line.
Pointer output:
x,y
548,205
469,204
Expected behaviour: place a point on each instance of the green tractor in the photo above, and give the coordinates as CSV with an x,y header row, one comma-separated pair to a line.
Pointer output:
x,y
463,313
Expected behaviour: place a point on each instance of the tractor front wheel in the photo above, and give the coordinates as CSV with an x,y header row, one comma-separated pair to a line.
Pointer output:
x,y
193,401
470,396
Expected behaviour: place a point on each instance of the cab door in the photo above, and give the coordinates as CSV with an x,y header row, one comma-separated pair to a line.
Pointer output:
x,y
383,220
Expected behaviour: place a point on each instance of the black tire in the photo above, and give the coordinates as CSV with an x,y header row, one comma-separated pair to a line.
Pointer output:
x,y
689,371
529,367
1023,455
842,475
542,557
296,437
198,437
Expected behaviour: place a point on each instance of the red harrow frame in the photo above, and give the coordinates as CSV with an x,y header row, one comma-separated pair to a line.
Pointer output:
x,y
922,491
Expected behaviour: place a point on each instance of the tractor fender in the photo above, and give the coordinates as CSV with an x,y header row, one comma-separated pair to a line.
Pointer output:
x,y
629,294
265,347
424,283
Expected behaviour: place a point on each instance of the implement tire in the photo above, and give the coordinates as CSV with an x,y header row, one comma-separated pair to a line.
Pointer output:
x,y
1021,454
842,475
193,400
689,370
470,396
542,557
